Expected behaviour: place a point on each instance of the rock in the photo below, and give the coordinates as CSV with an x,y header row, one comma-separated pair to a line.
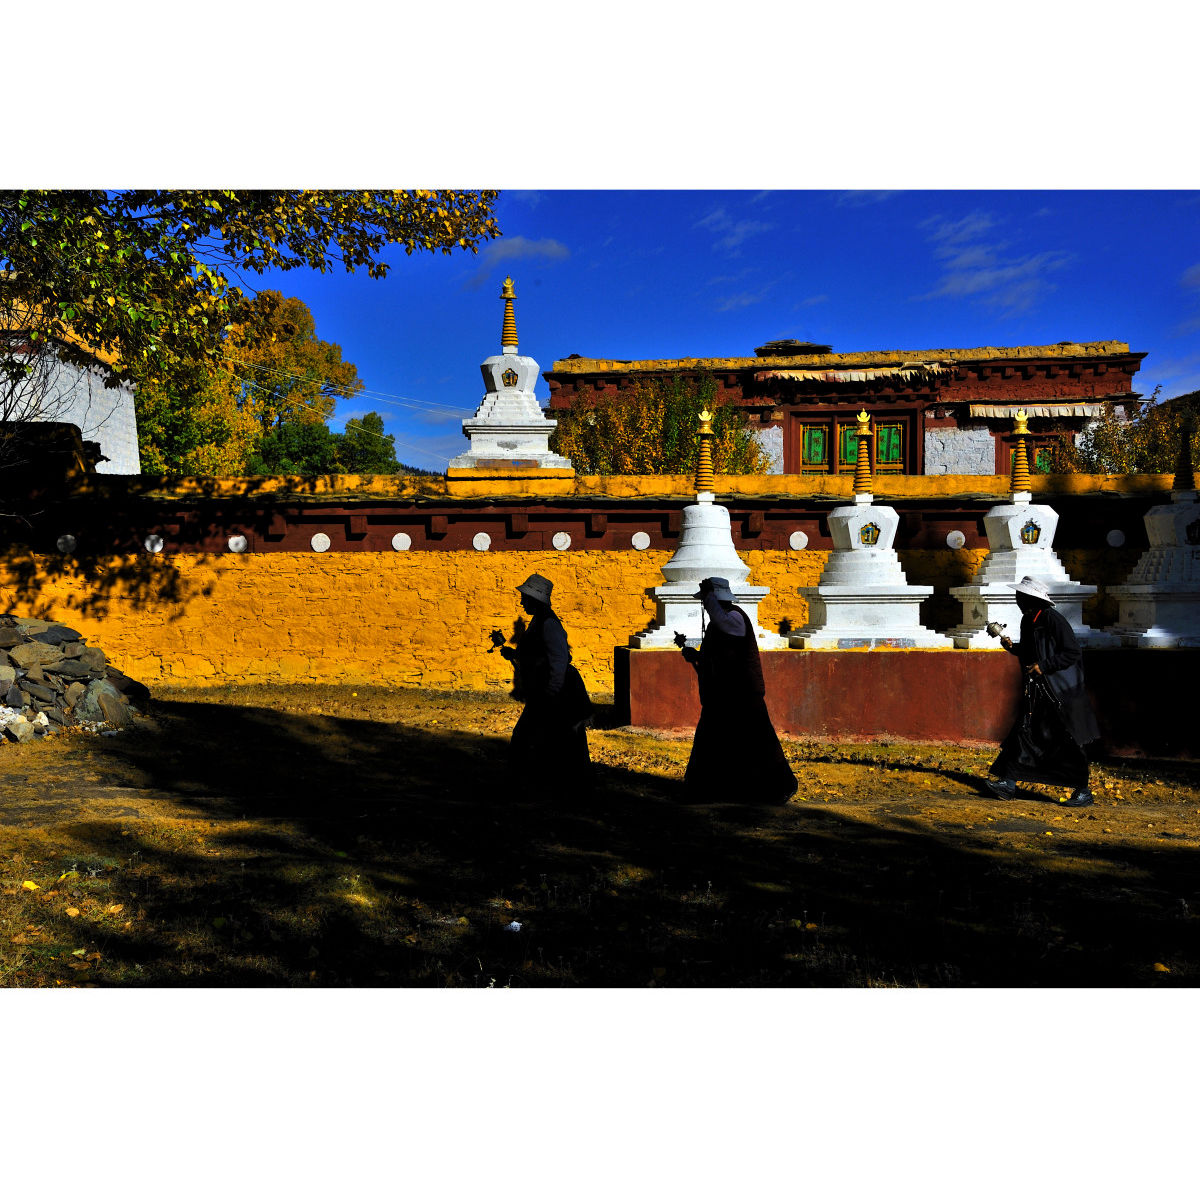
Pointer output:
x,y
92,657
50,679
39,691
29,653
116,711
19,730
69,668
87,707
135,693
56,635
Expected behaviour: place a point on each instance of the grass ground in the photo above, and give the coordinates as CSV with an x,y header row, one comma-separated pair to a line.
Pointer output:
x,y
343,837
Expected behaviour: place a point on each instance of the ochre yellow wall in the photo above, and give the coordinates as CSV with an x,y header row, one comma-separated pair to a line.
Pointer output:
x,y
408,619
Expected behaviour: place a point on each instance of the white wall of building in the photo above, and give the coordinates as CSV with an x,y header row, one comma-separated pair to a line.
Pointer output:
x,y
770,440
960,452
104,415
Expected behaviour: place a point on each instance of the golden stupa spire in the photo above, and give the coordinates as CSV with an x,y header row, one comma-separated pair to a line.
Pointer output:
x,y
1020,471
508,336
862,462
704,460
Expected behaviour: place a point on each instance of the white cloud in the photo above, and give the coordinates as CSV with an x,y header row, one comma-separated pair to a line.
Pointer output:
x,y
742,300
1191,277
507,250
733,232
981,270
861,199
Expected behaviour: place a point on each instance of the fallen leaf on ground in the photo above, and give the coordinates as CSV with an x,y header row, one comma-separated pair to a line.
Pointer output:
x,y
1161,968
72,912
30,886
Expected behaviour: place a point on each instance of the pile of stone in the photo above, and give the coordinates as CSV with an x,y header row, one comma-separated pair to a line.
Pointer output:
x,y
51,680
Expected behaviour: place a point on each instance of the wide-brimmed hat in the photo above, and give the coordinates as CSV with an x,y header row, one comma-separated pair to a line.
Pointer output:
x,y
1035,588
537,587
720,589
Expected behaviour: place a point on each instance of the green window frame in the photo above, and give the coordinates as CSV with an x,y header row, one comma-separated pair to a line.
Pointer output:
x,y
847,447
889,448
1041,459
814,458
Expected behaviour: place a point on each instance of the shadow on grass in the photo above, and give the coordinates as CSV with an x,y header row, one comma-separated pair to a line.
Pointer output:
x,y
346,852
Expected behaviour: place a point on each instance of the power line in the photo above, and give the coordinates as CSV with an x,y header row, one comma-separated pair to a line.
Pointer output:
x,y
370,393
382,436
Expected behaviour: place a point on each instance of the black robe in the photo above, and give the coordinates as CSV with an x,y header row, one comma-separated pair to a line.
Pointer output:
x,y
736,755
1055,722
548,753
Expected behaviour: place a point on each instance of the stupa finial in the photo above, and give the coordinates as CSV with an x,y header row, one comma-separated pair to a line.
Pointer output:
x,y
1020,471
508,336
862,462
704,460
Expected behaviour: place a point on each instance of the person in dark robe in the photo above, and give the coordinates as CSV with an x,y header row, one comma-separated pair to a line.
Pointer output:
x,y
548,753
1047,743
736,754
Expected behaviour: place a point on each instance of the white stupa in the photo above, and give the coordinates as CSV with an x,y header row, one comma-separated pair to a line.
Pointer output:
x,y
705,549
1160,601
864,599
509,429
1020,542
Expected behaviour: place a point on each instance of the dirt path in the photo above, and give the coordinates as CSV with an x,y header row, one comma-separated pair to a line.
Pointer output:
x,y
339,836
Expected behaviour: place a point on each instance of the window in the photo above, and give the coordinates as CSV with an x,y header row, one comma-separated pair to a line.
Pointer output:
x,y
847,448
830,446
815,453
1041,459
889,448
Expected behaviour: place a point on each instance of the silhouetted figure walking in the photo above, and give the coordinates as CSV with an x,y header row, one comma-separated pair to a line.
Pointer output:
x,y
736,754
1056,722
548,754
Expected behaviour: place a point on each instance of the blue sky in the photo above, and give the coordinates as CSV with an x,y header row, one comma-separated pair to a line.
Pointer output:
x,y
671,274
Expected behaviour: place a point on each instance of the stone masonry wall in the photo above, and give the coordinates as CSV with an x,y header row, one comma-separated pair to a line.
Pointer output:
x,y
407,620
959,451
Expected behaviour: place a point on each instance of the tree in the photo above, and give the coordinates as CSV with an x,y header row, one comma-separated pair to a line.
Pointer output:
x,y
273,371
296,448
651,430
151,280
364,449
1137,438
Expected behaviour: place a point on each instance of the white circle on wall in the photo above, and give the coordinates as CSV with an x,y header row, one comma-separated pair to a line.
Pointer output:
x,y
1115,538
401,541
319,542
798,539
640,540
956,539
66,544
481,541
562,540
154,543
238,543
